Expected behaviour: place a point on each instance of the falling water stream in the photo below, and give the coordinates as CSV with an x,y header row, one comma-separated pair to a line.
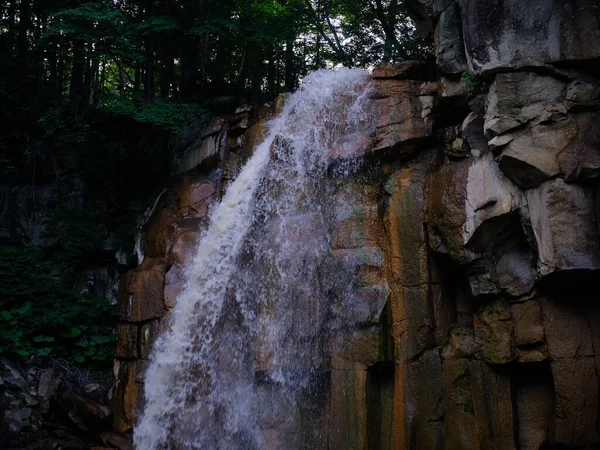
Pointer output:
x,y
241,364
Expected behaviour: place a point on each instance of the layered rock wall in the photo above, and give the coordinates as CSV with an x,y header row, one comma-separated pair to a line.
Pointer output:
x,y
467,243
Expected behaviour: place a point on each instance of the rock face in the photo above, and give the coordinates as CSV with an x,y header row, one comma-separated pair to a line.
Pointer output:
x,y
467,244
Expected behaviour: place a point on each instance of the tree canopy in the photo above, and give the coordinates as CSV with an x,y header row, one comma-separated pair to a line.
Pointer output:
x,y
163,62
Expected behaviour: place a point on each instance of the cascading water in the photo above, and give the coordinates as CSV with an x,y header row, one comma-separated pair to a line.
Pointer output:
x,y
242,362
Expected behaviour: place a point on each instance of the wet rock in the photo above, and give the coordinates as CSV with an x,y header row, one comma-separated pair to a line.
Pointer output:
x,y
559,321
403,122
424,405
157,234
348,424
412,321
116,440
491,391
534,405
461,343
239,123
141,292
564,225
127,397
127,342
149,332
527,318
500,141
390,88
576,404
174,285
200,151
494,333
460,426
406,70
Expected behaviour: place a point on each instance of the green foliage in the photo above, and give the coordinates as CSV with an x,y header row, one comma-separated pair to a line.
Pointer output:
x,y
471,83
38,316
77,233
166,115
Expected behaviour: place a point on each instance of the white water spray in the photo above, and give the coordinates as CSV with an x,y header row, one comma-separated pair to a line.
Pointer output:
x,y
246,337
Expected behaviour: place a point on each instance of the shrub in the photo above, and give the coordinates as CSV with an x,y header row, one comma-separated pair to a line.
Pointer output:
x,y
39,316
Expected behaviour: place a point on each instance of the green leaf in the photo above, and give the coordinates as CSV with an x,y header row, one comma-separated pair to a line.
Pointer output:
x,y
43,339
70,333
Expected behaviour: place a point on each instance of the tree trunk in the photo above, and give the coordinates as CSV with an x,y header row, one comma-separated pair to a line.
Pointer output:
x,y
189,67
271,72
60,70
166,76
137,81
77,71
52,70
290,74
23,44
90,75
9,43
149,75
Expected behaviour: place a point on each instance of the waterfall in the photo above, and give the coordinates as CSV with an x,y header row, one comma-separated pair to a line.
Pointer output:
x,y
243,357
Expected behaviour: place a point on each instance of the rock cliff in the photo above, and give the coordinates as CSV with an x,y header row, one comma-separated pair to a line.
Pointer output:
x,y
466,243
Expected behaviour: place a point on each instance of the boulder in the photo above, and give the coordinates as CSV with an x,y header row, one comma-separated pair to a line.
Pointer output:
x,y
564,226
86,413
533,156
515,98
49,383
469,204
580,160
514,272
451,89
